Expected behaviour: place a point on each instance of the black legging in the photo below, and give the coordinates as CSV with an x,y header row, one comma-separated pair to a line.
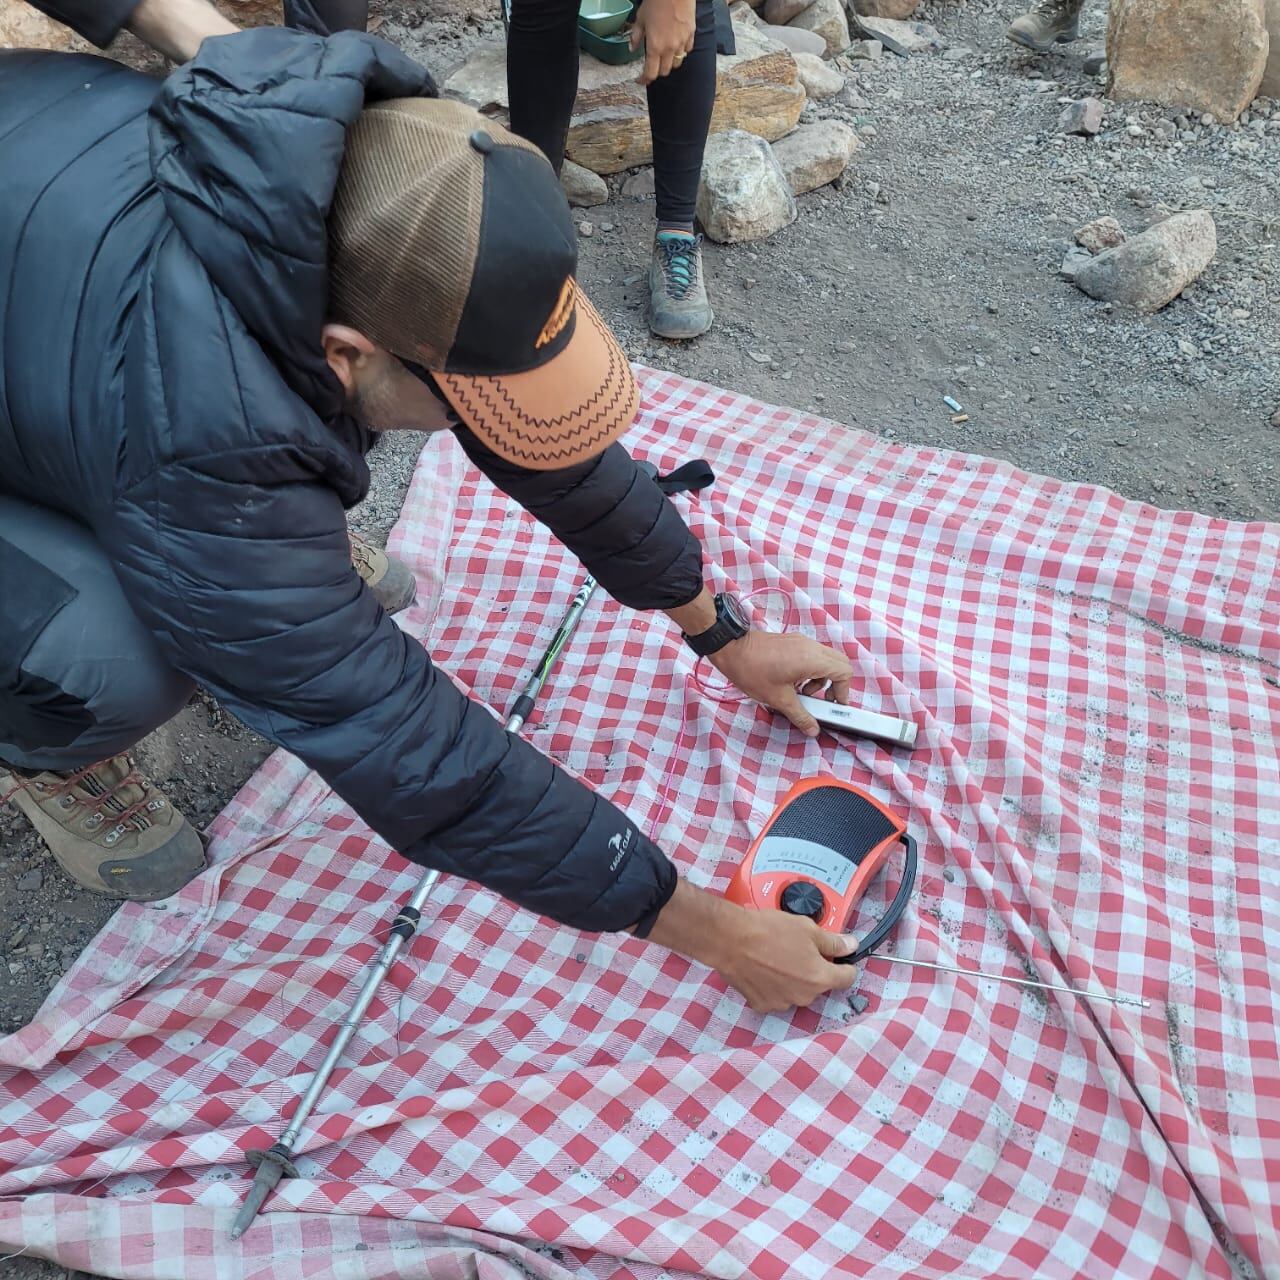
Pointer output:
x,y
542,81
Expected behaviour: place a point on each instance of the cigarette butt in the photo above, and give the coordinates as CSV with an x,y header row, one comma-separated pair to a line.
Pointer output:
x,y
958,418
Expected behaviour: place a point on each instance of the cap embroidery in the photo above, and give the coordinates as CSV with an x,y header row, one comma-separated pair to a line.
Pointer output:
x,y
560,316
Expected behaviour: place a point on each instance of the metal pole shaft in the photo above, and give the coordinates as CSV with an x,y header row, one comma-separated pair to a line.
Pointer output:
x,y
273,1164
1137,1001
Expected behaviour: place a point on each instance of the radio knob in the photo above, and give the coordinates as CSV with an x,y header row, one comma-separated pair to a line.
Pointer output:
x,y
803,898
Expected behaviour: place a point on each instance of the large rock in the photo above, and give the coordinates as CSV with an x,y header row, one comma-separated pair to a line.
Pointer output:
x,y
22,27
797,40
820,79
481,81
825,18
743,194
1270,87
777,13
1100,234
815,154
1083,117
1206,54
896,9
757,89
583,188
910,37
1150,270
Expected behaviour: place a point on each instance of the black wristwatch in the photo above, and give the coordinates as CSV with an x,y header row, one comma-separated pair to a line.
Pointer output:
x,y
730,624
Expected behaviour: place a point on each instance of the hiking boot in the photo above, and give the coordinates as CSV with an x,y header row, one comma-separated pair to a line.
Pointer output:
x,y
678,306
1050,22
388,579
110,830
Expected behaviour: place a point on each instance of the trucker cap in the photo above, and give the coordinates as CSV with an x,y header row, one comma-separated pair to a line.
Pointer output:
x,y
451,246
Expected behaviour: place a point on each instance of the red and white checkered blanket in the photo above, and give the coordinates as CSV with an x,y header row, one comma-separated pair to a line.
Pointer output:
x,y
1097,798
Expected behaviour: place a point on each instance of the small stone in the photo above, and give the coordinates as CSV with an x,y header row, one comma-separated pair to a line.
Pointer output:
x,y
1083,117
639,185
866,50
868,130
743,194
957,53
858,1002
815,154
1275,418
1182,123
1150,270
1100,234
586,229
1035,351
1095,64
1208,119
582,187
606,226
820,79
914,37
1135,131
1166,130
760,357
30,881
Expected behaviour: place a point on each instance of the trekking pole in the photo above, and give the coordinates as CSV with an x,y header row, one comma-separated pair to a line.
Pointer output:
x,y
276,1161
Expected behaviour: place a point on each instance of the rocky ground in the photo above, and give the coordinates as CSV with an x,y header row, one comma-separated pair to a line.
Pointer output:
x,y
932,271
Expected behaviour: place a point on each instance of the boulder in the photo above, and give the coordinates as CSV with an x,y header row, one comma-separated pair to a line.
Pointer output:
x,y
798,41
639,185
896,9
1270,87
1206,54
22,27
757,89
481,81
1083,117
825,18
777,13
815,154
1100,234
583,188
820,79
1150,270
910,37
743,194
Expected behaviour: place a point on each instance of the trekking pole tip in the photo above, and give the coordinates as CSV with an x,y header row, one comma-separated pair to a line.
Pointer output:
x,y
272,1165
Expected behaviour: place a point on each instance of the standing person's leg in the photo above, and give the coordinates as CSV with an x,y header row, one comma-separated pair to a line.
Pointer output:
x,y
680,106
81,681
542,72
343,15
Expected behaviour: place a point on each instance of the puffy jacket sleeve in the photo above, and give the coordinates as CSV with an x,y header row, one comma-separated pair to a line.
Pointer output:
x,y
247,584
612,516
99,21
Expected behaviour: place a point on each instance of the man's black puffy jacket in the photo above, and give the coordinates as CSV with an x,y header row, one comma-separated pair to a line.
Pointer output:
x,y
163,283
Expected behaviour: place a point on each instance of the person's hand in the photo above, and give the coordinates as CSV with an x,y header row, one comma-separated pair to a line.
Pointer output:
x,y
666,28
770,668
774,960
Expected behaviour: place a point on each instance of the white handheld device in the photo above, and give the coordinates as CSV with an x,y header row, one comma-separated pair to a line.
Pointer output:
x,y
867,724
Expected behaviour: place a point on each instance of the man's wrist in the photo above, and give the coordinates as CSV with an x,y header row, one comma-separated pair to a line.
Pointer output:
x,y
177,28
696,616
698,924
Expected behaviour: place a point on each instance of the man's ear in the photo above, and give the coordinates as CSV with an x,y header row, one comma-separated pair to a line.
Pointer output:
x,y
348,351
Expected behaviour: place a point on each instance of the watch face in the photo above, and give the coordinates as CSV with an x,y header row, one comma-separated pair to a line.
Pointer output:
x,y
734,611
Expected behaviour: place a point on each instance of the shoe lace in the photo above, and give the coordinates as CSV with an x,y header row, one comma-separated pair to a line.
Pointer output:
x,y
679,264
103,797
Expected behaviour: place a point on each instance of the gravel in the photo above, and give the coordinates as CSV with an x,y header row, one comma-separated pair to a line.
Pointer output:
x,y
933,270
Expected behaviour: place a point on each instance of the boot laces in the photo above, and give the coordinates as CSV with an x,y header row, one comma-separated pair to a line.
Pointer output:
x,y
102,799
679,264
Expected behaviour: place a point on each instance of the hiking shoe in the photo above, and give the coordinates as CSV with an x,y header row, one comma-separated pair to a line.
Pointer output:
x,y
388,579
109,829
678,306
1050,22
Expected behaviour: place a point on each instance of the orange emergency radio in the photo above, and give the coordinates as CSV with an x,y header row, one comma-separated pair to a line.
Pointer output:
x,y
818,854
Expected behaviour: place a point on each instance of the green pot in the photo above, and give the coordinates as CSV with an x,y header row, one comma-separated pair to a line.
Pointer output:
x,y
604,18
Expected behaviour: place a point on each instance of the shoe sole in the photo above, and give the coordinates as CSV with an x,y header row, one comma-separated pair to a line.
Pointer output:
x,y
1042,47
673,334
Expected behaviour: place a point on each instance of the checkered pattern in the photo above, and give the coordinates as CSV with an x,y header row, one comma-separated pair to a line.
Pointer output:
x,y
1097,797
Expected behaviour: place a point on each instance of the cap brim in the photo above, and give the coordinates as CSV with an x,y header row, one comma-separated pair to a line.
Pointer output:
x,y
565,411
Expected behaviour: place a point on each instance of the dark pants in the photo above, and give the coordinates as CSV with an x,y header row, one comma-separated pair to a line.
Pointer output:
x,y
81,679
542,82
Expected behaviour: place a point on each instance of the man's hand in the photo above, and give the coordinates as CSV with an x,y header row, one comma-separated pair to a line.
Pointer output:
x,y
774,960
770,668
666,28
